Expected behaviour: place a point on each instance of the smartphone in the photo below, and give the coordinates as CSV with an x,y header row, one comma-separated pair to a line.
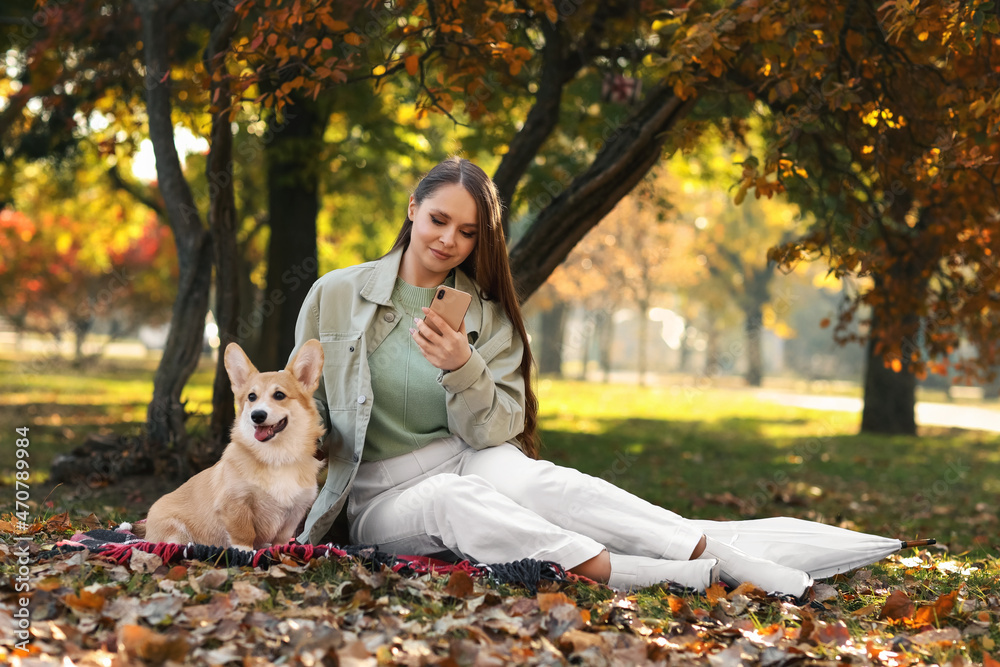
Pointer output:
x,y
450,304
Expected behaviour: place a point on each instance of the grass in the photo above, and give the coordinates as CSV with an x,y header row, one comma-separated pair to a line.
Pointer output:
x,y
722,454
712,453
703,452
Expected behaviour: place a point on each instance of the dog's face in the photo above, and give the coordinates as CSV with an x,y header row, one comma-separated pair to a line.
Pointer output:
x,y
267,403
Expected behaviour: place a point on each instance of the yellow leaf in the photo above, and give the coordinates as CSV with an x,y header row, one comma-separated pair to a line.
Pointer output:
x,y
740,195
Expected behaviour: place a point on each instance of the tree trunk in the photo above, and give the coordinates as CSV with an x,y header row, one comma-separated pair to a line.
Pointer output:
x,y
293,201
81,328
890,397
713,367
753,327
553,329
605,336
539,124
627,155
166,434
222,220
642,349
587,338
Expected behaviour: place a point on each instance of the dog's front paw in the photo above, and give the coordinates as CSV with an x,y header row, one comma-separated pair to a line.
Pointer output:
x,y
242,547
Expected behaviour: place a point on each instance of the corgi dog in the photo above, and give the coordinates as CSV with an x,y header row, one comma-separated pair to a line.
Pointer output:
x,y
265,482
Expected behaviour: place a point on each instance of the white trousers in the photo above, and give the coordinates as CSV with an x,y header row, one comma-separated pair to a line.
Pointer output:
x,y
496,505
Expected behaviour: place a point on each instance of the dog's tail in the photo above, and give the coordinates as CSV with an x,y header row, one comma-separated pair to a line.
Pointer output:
x,y
138,529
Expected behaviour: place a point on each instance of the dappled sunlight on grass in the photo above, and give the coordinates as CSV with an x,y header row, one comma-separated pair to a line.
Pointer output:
x,y
728,455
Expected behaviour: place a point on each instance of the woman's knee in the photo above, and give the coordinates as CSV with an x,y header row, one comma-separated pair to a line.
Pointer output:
x,y
512,473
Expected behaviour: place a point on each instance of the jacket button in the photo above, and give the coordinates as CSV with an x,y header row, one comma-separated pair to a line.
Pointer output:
x,y
361,398
352,348
389,317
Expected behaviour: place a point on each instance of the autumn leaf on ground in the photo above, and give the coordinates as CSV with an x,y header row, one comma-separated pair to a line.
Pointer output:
x,y
460,585
714,593
86,601
897,607
933,614
58,523
547,601
149,645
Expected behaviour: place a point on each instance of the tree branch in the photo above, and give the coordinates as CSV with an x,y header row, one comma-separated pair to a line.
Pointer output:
x,y
141,195
621,163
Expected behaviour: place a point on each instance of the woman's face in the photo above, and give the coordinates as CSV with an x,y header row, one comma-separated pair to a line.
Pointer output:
x,y
444,234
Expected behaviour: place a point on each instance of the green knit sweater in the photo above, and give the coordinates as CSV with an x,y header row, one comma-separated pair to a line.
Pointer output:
x,y
408,410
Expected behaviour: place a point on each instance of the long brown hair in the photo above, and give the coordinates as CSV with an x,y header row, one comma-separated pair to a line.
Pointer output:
x,y
487,265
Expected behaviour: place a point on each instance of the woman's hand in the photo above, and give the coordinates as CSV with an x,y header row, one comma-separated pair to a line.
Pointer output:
x,y
448,350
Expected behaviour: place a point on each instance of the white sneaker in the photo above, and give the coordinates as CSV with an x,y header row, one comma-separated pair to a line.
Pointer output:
x,y
739,566
632,572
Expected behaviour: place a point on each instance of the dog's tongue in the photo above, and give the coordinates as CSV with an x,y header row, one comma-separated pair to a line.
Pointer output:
x,y
262,433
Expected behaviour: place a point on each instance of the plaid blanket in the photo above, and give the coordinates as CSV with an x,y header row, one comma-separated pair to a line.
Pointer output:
x,y
118,544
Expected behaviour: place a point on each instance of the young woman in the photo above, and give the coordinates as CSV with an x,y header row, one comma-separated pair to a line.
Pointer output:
x,y
432,438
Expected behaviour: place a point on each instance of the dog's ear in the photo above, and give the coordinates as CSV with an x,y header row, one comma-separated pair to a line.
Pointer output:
x,y
307,365
238,366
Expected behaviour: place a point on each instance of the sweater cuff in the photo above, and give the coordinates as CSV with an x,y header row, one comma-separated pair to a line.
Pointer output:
x,y
460,379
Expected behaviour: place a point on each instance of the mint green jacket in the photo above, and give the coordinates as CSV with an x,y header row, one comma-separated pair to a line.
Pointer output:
x,y
350,312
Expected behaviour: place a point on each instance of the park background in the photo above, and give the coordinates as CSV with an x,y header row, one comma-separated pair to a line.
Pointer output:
x,y
755,242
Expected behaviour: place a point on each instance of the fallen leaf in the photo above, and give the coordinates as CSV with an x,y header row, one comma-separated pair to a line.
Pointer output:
x,y
460,585
990,661
865,611
523,607
835,633
563,618
739,654
211,579
85,602
897,607
714,593
824,592
933,614
143,562
150,645
680,609
574,641
59,522
748,589
161,606
49,584
248,593
547,601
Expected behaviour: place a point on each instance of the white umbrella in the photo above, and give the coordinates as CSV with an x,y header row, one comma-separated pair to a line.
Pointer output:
x,y
817,548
